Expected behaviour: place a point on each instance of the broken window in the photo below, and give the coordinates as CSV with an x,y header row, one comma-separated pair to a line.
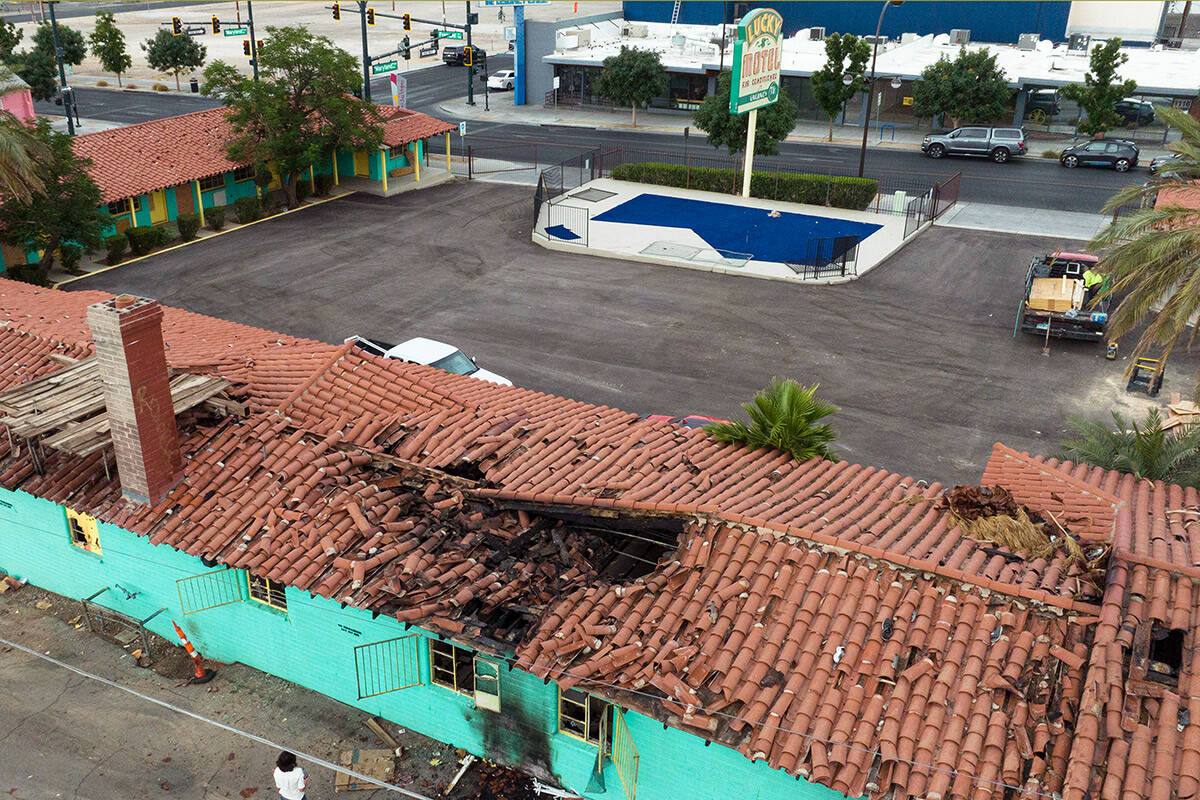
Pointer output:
x,y
583,716
267,591
487,684
1166,655
84,532
452,667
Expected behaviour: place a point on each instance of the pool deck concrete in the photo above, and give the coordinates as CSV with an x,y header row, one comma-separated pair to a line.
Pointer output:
x,y
682,247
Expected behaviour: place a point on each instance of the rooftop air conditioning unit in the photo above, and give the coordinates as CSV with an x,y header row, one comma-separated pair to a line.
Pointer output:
x,y
566,41
909,38
873,40
1079,43
816,34
637,31
960,36
1028,41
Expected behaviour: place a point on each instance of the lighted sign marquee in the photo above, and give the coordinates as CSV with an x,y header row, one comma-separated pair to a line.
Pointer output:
x,y
756,61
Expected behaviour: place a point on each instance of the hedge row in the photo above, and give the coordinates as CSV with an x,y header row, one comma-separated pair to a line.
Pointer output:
x,y
818,190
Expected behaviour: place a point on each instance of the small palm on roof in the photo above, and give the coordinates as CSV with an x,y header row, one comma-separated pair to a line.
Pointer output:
x,y
785,416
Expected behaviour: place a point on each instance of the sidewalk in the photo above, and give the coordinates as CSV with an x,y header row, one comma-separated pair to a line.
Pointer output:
x,y
657,121
1019,220
84,125
67,735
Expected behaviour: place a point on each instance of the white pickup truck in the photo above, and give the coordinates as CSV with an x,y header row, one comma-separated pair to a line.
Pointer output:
x,y
431,353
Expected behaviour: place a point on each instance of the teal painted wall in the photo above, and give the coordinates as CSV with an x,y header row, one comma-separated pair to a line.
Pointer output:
x,y
313,645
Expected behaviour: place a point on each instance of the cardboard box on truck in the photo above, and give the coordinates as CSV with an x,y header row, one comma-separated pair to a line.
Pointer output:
x,y
1056,294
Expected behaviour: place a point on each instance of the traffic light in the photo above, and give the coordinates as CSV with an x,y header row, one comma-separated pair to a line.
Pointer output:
x,y
370,16
405,50
337,12
468,55
216,25
176,26
407,22
473,18
246,48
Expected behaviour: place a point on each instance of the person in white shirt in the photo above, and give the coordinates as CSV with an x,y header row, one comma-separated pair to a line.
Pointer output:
x,y
289,778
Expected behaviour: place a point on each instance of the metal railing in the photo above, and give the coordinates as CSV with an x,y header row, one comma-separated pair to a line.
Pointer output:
x,y
828,257
563,223
110,623
945,194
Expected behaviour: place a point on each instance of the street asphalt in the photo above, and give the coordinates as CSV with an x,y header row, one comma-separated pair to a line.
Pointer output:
x,y
919,353
1028,182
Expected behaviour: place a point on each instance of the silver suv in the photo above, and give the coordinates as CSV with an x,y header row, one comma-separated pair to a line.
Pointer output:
x,y
998,144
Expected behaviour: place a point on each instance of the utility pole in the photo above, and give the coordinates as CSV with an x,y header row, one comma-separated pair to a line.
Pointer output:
x,y
362,10
470,69
62,72
253,41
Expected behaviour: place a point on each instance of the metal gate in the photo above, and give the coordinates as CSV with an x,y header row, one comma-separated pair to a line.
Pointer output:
x,y
209,590
387,666
945,194
563,223
624,755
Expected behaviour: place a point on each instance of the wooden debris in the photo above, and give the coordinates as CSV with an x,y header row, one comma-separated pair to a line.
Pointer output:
x,y
376,726
377,764
1181,413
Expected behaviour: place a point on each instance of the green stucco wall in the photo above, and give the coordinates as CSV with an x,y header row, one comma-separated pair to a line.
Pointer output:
x,y
313,645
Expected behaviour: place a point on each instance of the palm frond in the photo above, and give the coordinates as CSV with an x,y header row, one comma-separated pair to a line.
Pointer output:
x,y
786,417
1143,450
20,151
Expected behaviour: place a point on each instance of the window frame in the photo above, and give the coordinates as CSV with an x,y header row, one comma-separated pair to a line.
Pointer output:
x,y
589,714
462,663
212,187
246,172
83,532
275,592
135,202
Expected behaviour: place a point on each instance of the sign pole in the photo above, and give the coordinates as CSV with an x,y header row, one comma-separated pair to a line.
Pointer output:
x,y
752,126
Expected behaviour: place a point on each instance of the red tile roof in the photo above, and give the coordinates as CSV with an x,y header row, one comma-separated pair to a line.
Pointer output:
x,y
402,126
142,158
831,619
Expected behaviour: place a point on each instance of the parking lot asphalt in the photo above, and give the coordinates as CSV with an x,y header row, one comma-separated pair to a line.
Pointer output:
x,y
919,353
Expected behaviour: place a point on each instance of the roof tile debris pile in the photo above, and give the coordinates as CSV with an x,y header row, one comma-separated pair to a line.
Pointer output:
x,y
838,621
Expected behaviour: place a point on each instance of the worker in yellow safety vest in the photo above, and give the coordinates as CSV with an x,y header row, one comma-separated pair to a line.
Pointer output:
x,y
1092,281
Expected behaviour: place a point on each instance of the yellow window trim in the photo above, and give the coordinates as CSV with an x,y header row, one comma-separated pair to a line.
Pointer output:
x,y
83,531
584,706
269,586
453,686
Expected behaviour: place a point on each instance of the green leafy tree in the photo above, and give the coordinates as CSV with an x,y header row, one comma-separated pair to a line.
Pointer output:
x,y
10,37
1145,451
174,55
37,68
20,149
108,45
1101,89
786,417
299,109
63,209
632,78
844,55
71,41
1151,254
727,130
969,89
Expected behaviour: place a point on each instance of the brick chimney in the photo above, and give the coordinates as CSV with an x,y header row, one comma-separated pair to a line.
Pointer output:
x,y
127,331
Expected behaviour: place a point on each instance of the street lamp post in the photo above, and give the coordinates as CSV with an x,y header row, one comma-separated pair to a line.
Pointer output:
x,y
862,155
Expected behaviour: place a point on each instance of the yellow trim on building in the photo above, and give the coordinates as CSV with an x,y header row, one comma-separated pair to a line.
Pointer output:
x,y
383,167
199,202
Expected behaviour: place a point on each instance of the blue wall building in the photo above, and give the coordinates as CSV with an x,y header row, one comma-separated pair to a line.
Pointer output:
x,y
988,21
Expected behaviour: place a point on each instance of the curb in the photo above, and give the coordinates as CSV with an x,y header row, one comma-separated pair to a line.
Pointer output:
x,y
197,240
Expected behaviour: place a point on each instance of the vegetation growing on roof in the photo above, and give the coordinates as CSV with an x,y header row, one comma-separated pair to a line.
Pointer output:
x,y
785,417
1143,450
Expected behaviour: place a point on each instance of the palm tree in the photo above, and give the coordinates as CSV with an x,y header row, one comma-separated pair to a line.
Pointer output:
x,y
1152,254
19,153
783,417
1144,451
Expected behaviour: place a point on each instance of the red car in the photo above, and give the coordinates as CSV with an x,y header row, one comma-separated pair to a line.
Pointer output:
x,y
687,421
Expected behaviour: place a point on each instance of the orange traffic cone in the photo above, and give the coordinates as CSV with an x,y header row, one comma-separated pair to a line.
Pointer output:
x,y
202,675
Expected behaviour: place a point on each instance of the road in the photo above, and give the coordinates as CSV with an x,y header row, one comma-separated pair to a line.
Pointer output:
x,y
918,353
1029,182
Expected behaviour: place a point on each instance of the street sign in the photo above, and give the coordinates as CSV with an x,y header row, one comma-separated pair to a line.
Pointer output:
x,y
236,31
756,61
427,51
449,34
384,66
399,90
510,33
462,129
196,30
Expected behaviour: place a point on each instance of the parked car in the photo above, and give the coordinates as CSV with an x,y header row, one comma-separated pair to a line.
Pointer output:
x,y
688,421
502,80
1161,165
998,144
1120,154
1134,111
431,353
453,55
1041,105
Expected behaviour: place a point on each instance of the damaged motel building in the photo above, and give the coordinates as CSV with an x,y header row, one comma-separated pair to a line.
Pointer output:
x,y
619,606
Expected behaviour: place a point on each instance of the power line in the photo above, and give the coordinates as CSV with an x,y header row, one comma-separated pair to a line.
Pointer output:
x,y
201,718
766,726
